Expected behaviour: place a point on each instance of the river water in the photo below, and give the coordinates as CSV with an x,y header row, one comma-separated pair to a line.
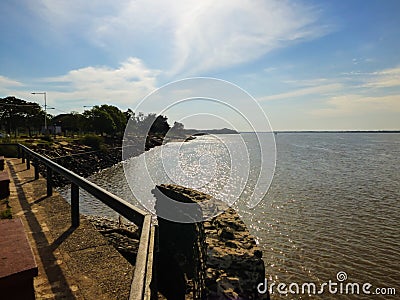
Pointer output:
x,y
333,207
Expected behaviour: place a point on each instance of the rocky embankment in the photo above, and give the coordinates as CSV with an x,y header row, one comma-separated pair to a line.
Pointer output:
x,y
85,160
222,261
80,159
123,236
214,259
234,261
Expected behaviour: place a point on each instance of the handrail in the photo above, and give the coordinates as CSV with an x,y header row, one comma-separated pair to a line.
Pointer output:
x,y
143,274
121,206
138,287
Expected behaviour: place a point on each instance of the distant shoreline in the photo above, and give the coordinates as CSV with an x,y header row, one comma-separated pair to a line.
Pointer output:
x,y
328,131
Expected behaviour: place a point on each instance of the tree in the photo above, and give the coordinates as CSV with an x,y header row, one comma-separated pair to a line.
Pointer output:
x,y
117,116
74,121
106,119
177,129
160,125
17,113
99,121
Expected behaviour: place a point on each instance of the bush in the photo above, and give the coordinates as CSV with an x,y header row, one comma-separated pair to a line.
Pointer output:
x,y
5,209
94,141
8,150
47,138
7,214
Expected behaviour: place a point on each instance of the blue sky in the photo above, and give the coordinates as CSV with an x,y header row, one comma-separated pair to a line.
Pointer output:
x,y
311,65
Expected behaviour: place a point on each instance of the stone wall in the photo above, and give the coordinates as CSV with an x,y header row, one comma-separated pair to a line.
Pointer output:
x,y
222,260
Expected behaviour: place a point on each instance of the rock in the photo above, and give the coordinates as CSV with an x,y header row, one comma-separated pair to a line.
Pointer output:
x,y
233,266
226,233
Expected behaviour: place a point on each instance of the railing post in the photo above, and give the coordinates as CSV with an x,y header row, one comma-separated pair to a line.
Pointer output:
x,y
75,205
49,178
19,151
36,166
23,156
28,162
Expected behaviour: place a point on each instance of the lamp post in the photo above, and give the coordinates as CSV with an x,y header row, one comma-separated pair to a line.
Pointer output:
x,y
45,108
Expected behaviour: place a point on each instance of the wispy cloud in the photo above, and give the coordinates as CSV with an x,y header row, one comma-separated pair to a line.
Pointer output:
x,y
6,82
218,34
197,36
384,79
320,90
353,104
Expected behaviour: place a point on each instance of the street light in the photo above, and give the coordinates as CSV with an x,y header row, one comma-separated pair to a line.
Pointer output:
x,y
45,108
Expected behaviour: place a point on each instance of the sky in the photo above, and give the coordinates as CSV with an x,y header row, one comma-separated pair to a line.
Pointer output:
x,y
310,65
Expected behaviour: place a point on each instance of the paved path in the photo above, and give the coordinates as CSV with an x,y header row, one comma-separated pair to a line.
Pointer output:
x,y
73,263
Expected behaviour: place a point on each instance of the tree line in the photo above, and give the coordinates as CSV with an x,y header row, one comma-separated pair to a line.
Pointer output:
x,y
20,116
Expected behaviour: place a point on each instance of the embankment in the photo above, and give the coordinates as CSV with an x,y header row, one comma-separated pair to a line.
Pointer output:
x,y
214,259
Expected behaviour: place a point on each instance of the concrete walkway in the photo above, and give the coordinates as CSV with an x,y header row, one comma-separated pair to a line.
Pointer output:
x,y
73,263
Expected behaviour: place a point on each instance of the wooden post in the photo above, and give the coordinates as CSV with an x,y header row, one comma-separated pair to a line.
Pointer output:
x,y
28,162
75,205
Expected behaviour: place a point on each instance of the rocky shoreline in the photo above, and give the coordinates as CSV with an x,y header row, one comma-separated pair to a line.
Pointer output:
x,y
215,259
228,262
229,259
84,160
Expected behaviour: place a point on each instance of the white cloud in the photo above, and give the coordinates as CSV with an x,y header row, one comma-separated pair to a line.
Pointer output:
x,y
354,104
385,78
219,34
6,83
195,36
123,86
314,90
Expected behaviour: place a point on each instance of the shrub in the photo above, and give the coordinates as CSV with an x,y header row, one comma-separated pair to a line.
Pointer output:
x,y
6,214
92,140
47,138
5,210
8,150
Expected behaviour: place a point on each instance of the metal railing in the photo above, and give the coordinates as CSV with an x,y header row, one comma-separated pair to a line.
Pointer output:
x,y
143,274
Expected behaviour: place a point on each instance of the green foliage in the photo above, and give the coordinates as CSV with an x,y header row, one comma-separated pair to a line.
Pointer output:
x,y
94,141
17,113
73,122
177,130
6,214
160,125
5,209
18,116
106,119
47,138
8,150
151,124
